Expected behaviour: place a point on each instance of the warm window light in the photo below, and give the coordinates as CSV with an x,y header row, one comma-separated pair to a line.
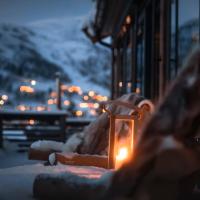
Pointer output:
x,y
137,90
79,113
96,105
53,94
120,84
83,105
40,108
50,102
64,87
21,108
105,98
128,19
4,97
66,103
129,85
85,98
91,93
31,121
76,89
27,89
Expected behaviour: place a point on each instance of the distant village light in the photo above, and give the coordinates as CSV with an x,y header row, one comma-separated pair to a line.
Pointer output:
x,y
129,84
86,98
93,112
50,102
91,93
105,98
27,89
31,121
4,97
66,103
83,105
96,105
79,113
33,82
40,108
21,108
53,94
1,102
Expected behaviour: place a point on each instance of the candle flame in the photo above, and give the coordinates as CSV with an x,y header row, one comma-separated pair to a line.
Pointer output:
x,y
122,154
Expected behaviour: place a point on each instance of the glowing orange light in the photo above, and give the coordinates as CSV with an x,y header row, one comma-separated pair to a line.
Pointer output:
x,y
129,85
50,101
128,19
21,108
96,105
64,87
83,105
31,122
66,103
27,89
121,157
122,154
137,90
91,93
79,113
75,89
85,98
40,108
53,94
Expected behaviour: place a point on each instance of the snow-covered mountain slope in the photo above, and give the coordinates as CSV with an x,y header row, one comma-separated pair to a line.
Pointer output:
x,y
39,50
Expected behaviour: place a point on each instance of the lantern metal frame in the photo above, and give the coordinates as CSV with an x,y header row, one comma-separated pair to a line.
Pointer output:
x,y
137,114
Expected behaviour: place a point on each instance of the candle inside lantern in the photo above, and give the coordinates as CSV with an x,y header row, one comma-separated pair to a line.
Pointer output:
x,y
121,157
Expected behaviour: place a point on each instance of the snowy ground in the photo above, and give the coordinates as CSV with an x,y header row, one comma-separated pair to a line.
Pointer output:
x,y
17,173
10,157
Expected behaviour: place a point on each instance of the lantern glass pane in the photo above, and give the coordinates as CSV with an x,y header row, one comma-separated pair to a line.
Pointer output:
x,y
124,140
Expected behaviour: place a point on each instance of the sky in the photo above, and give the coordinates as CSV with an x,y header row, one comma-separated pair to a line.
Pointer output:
x,y
29,11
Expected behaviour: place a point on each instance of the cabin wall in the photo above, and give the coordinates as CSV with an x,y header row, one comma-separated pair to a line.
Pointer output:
x,y
149,51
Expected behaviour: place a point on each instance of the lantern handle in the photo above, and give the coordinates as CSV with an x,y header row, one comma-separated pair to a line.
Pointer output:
x,y
137,109
120,103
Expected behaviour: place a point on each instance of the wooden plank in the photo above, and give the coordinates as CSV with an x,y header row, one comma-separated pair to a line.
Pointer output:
x,y
82,159
34,154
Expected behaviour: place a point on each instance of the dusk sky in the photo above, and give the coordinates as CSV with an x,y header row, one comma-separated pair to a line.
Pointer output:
x,y
28,11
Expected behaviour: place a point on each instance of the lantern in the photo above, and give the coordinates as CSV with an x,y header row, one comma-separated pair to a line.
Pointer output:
x,y
123,130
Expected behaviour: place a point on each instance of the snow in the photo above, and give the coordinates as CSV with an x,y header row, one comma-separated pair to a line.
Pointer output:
x,y
17,182
62,43
52,159
45,145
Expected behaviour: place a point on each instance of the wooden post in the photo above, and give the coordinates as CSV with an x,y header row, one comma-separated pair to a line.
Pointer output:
x,y
58,85
111,147
1,133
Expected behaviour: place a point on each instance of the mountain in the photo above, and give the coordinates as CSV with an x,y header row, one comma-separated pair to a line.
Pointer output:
x,y
39,50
